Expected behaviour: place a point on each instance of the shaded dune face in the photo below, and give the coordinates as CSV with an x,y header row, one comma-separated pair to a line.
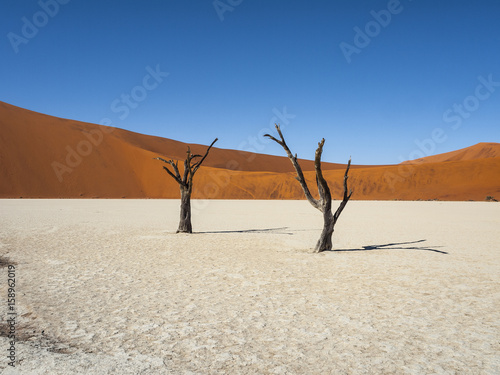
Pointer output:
x,y
47,157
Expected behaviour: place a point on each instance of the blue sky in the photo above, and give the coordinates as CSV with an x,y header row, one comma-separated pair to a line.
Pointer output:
x,y
381,81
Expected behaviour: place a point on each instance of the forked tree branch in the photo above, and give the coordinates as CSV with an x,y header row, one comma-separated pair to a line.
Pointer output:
x,y
189,170
176,176
300,175
176,169
186,184
324,203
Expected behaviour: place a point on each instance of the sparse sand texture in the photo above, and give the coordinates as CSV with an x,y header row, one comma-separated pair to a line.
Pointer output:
x,y
106,287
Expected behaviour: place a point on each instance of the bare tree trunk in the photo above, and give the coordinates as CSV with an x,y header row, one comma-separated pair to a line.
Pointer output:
x,y
325,240
185,220
329,220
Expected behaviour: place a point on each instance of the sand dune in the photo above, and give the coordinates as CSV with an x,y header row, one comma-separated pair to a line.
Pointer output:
x,y
481,150
47,157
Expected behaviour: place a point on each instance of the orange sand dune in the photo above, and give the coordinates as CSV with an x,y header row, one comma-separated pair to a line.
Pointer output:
x,y
16,122
468,180
479,151
47,157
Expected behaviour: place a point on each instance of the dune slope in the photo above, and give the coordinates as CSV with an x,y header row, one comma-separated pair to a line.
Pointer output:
x,y
47,157
481,150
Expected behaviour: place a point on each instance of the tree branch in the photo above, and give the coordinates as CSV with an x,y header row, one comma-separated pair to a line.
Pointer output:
x,y
346,196
176,169
176,176
323,189
187,169
198,164
171,174
163,160
300,175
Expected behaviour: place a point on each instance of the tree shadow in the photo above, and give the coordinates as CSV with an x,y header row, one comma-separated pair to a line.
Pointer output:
x,y
269,230
398,247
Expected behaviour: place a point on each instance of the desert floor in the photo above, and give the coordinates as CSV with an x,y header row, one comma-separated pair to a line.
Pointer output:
x,y
107,287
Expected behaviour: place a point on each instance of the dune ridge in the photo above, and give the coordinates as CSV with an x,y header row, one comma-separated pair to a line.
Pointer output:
x,y
42,156
480,150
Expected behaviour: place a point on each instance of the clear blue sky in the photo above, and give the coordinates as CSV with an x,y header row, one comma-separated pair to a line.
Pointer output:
x,y
231,69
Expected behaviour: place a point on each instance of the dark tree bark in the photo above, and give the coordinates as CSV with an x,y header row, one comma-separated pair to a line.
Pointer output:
x,y
185,219
324,203
186,184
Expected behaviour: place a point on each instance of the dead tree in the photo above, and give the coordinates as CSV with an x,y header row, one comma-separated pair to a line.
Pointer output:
x,y
186,184
324,203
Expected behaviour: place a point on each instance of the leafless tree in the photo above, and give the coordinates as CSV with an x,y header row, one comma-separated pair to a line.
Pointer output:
x,y
186,184
324,203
